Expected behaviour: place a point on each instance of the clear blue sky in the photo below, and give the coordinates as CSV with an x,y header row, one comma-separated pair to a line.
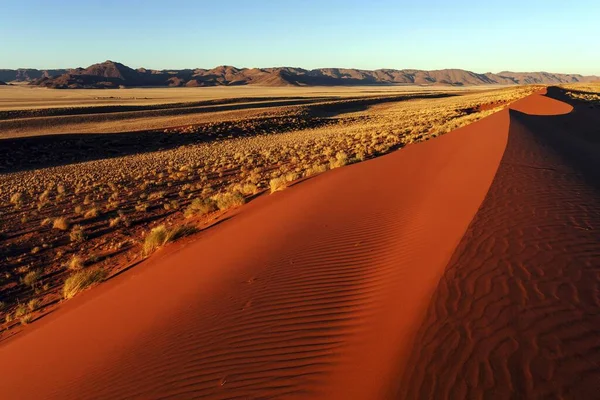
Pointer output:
x,y
482,36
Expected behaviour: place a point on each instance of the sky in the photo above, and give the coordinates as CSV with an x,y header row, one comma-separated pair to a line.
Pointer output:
x,y
481,36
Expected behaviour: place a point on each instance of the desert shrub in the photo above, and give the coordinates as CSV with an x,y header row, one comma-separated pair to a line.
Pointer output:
x,y
17,199
142,207
61,223
200,207
25,319
156,195
277,184
180,231
229,200
291,176
77,234
316,169
340,160
32,278
75,263
248,188
34,304
20,310
92,213
160,236
82,280
8,318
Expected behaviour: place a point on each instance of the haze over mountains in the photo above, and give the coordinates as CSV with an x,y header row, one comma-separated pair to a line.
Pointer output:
x,y
110,74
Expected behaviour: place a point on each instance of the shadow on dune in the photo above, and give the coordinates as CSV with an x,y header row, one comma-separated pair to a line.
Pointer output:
x,y
516,313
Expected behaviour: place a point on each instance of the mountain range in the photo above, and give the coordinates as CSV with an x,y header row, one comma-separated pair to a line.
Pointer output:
x,y
110,74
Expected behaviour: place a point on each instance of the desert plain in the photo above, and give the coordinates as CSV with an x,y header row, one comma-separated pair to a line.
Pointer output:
x,y
265,242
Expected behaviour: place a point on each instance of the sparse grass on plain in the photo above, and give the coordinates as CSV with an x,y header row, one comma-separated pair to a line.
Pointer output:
x,y
69,202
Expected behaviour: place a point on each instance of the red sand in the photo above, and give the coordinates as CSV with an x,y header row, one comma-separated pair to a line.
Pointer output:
x,y
314,291
320,290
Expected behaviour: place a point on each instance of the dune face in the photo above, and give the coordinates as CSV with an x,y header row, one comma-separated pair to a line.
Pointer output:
x,y
314,292
516,312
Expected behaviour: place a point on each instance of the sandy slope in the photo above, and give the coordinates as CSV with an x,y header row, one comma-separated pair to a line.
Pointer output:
x,y
516,313
316,291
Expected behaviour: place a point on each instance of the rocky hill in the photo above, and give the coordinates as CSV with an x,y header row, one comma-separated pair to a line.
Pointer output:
x,y
112,74
28,74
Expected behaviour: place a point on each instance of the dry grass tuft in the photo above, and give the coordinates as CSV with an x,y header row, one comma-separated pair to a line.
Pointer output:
x,y
277,184
229,200
77,234
160,236
200,207
61,223
82,280
31,278
75,263
34,304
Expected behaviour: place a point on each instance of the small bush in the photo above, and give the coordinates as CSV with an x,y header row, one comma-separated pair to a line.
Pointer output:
x,y
142,207
61,223
25,319
75,263
77,234
82,280
114,222
20,310
316,169
92,213
160,236
200,207
32,278
277,184
340,160
17,199
229,200
156,238
249,188
34,304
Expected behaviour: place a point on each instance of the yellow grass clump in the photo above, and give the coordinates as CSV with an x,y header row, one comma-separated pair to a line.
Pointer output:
x,y
160,236
82,280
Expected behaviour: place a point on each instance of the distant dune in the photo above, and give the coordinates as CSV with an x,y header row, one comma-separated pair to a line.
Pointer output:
x,y
110,74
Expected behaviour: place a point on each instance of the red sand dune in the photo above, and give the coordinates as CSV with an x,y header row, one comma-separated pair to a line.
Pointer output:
x,y
516,313
319,291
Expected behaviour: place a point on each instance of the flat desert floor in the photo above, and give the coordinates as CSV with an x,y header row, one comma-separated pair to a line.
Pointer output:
x,y
413,245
